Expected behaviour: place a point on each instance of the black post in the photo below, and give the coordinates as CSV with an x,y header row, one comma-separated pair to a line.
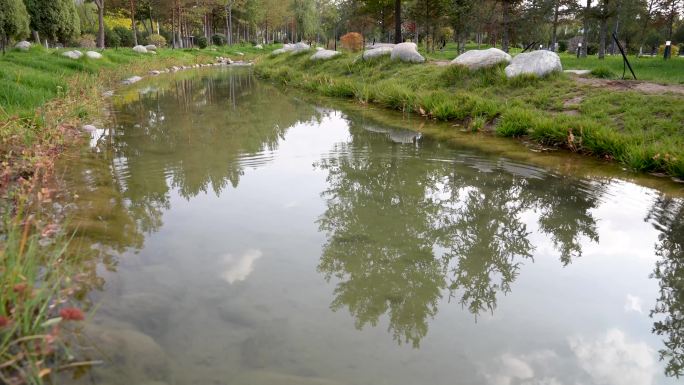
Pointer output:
x,y
668,50
624,58
529,46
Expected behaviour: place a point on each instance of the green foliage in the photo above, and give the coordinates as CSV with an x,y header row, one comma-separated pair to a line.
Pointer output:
x,y
125,36
516,122
157,40
112,39
603,73
86,41
56,20
14,22
201,42
562,46
674,50
218,39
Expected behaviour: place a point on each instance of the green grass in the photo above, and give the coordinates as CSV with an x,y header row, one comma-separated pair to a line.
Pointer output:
x,y
643,132
29,79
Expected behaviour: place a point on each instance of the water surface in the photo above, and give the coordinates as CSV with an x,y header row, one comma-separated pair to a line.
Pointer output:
x,y
250,236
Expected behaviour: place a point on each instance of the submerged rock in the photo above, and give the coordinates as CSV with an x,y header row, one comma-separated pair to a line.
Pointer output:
x,y
476,59
23,45
538,63
407,52
94,55
324,54
75,54
262,377
140,49
377,52
131,80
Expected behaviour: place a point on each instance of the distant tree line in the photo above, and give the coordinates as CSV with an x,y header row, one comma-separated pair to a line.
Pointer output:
x,y
641,25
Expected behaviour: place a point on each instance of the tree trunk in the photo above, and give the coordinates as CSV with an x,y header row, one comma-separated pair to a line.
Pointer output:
x,y
603,32
135,34
173,27
506,20
585,33
100,24
554,33
36,38
397,22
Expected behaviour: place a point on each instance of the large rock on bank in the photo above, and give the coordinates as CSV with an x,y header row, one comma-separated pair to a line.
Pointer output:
x,y
324,54
94,55
140,49
23,45
476,59
377,52
538,63
407,52
75,54
299,47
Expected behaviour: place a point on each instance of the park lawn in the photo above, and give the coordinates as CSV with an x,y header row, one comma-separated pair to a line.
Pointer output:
x,y
643,132
646,68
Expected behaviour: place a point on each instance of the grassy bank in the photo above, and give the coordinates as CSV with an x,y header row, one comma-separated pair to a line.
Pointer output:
x,y
45,98
643,132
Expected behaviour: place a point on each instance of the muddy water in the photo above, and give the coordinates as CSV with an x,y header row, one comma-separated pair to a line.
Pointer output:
x,y
248,236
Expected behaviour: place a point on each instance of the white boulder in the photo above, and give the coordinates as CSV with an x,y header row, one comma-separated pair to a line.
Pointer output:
x,y
140,49
377,52
380,45
23,45
278,51
151,47
259,46
300,47
94,55
89,128
476,59
407,52
324,54
538,63
75,54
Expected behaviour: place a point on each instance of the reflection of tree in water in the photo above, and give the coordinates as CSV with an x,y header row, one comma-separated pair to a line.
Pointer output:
x,y
195,132
667,215
188,134
402,225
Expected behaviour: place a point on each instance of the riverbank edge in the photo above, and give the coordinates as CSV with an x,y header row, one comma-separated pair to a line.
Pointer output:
x,y
38,282
347,76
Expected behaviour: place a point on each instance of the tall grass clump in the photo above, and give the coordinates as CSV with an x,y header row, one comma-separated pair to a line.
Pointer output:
x,y
516,122
35,314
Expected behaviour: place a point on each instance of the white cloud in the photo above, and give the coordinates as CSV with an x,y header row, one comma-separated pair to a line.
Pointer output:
x,y
238,268
613,360
633,304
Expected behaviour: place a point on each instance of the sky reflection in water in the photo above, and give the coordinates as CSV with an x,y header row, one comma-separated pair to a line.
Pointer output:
x,y
251,237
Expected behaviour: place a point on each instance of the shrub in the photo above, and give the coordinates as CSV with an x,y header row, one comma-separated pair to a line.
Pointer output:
x,y
86,41
674,50
201,42
352,41
158,40
125,36
562,46
112,39
603,73
218,39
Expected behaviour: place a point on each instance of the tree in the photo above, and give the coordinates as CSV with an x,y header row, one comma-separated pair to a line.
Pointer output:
x,y
585,28
56,20
100,23
397,22
14,22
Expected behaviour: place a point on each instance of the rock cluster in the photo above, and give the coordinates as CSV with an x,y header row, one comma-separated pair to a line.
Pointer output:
x,y
295,48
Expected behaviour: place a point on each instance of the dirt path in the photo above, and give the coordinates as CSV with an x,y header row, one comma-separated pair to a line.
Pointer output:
x,y
632,85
